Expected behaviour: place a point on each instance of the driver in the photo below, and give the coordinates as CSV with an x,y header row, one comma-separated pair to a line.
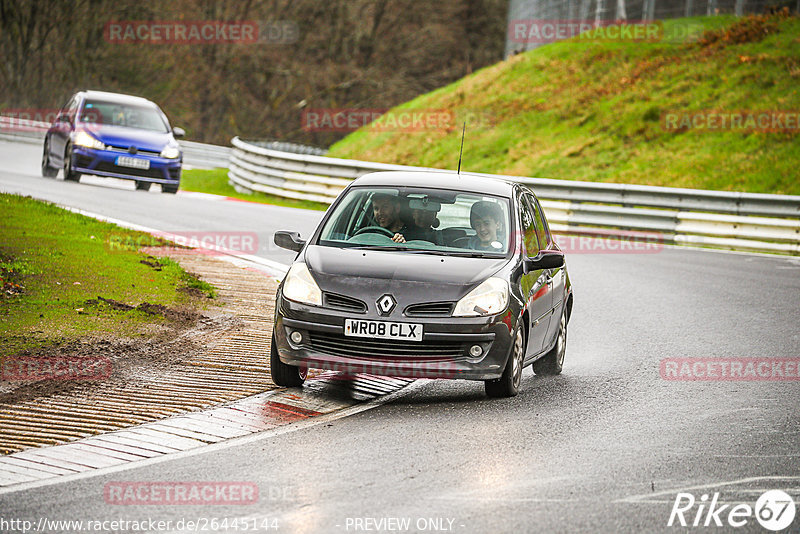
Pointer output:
x,y
386,211
425,222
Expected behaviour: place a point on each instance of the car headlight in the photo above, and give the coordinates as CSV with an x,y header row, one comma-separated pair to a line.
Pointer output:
x,y
300,286
171,152
487,299
84,139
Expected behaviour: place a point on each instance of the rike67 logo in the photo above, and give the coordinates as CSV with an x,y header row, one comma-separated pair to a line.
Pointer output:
x,y
774,510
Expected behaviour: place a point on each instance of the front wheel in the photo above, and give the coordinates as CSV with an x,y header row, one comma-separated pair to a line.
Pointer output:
x,y
69,174
142,186
284,374
508,384
47,170
553,362
171,189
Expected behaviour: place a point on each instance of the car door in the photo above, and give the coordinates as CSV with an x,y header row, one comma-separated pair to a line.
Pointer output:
x,y
61,129
556,278
534,284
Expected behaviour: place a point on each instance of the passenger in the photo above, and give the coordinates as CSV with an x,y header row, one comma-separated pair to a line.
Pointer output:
x,y
386,211
486,218
425,222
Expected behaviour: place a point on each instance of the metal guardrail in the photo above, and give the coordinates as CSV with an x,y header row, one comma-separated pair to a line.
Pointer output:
x,y
295,148
196,155
731,220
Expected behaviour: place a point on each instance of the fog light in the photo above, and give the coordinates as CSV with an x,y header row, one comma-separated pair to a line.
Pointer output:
x,y
297,337
475,351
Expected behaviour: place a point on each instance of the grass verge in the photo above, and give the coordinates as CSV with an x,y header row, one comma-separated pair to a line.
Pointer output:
x,y
65,276
215,182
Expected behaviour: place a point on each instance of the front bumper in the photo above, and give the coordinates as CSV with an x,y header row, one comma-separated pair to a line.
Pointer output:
x,y
103,163
443,352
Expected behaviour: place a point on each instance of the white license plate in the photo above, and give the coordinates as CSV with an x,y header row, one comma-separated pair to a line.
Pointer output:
x,y
135,163
383,330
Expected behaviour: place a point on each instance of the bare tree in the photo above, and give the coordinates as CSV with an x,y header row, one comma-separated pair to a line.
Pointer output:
x,y
622,13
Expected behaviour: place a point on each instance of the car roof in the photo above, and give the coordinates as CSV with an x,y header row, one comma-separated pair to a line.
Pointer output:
x,y
473,183
116,97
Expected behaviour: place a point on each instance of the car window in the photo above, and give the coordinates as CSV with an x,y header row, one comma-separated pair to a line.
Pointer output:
x,y
529,237
542,230
433,220
142,117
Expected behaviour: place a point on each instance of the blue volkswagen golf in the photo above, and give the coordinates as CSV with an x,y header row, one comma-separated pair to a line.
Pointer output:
x,y
114,135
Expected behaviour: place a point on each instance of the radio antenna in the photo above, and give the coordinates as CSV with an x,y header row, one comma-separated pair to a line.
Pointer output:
x,y
461,151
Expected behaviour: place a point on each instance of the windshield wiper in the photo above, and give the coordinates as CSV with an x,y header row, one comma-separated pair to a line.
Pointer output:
x,y
461,254
474,254
382,247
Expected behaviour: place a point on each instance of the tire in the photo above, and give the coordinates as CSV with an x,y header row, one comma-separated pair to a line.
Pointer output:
x,y
69,174
48,171
508,384
142,186
284,374
553,362
171,189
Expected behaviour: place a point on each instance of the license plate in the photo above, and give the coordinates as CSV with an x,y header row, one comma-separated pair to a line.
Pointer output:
x,y
383,330
135,163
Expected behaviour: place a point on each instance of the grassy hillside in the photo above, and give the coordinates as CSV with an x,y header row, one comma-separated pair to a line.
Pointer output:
x,y
593,111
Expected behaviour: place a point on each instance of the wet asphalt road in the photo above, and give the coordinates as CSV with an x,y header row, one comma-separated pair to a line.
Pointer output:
x,y
605,447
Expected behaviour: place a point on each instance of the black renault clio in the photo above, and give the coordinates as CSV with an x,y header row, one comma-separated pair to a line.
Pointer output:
x,y
425,274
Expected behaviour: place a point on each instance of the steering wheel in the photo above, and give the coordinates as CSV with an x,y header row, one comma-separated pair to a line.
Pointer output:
x,y
375,230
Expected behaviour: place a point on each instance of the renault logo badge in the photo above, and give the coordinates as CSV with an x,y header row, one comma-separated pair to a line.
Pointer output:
x,y
386,304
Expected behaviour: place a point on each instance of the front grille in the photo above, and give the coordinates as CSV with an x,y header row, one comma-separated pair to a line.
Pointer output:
x,y
340,302
138,151
388,350
105,166
430,309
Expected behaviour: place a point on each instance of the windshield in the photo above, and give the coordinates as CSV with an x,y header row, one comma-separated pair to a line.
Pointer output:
x,y
433,221
127,115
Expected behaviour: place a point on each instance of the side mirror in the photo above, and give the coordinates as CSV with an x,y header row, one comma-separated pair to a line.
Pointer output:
x,y
64,118
178,132
546,259
289,240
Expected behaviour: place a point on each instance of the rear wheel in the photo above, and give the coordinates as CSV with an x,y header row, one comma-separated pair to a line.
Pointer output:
x,y
553,362
172,189
142,186
508,384
69,174
48,171
284,374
